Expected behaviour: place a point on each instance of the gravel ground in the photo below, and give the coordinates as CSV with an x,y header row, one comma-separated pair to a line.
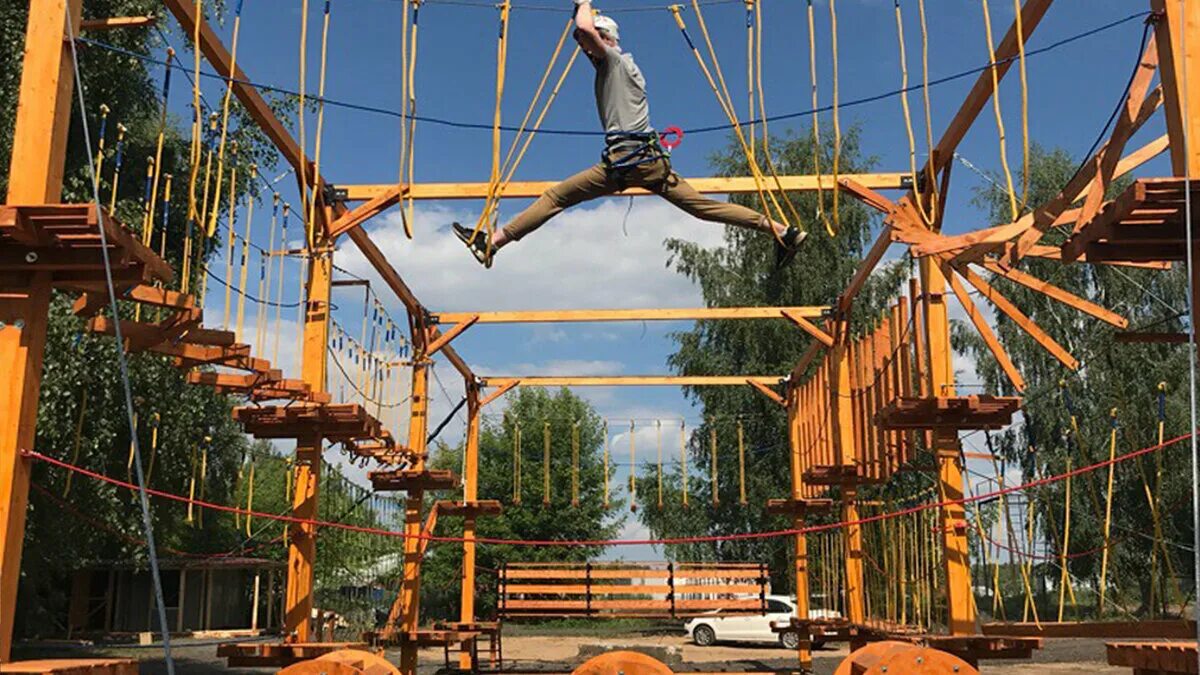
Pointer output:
x,y
559,653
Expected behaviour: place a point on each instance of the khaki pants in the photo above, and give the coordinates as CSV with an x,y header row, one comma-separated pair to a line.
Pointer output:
x,y
655,176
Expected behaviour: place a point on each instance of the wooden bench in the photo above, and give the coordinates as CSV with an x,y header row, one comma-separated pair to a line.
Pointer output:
x,y
632,590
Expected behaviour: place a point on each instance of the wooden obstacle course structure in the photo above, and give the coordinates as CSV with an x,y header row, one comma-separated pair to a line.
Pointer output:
x,y
1155,658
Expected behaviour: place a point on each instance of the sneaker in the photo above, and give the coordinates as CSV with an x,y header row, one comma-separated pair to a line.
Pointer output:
x,y
476,242
787,245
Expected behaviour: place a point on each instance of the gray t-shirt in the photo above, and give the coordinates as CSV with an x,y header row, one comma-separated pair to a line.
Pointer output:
x,y
621,93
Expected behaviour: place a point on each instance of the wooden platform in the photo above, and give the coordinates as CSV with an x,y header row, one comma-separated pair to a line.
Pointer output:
x,y
334,421
840,474
974,648
1155,658
1144,224
71,667
397,480
277,654
1175,629
483,507
793,507
65,239
962,412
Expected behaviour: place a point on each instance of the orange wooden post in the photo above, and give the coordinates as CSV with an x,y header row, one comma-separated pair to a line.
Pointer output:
x,y
795,434
470,494
306,470
410,588
35,177
840,397
946,449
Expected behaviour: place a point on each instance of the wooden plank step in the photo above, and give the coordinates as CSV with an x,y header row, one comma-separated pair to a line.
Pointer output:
x,y
840,474
1167,629
71,667
940,412
334,421
791,507
483,507
278,654
410,480
1155,658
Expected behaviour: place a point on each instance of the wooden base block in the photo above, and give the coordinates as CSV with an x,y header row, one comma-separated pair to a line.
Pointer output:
x,y
1176,629
965,412
71,667
1155,658
277,654
792,507
409,479
484,507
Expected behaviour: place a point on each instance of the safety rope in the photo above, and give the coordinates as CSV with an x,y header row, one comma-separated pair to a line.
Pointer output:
x,y
148,222
632,467
725,101
1112,454
516,448
998,470
76,443
658,425
926,215
683,470
712,449
931,176
1064,580
575,464
408,203
1008,179
225,100
250,498
244,265
301,126
606,469
762,116
196,150
816,121
1025,175
229,244
266,264
837,120
316,177
104,110
545,464
132,448
118,160
279,284
494,178
741,438
201,228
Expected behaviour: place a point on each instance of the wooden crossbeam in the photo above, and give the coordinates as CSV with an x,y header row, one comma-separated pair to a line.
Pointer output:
x,y
768,392
1018,317
985,331
715,185
364,212
1054,292
635,380
603,315
117,22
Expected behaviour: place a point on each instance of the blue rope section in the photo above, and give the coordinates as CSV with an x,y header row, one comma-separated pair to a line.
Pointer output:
x,y
592,133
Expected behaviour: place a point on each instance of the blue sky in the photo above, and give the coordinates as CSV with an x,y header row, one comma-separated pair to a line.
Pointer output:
x,y
584,258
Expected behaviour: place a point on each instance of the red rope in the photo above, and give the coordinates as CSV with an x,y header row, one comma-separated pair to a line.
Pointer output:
x,y
617,542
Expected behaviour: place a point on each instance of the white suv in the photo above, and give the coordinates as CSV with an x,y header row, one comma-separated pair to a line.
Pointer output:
x,y
708,629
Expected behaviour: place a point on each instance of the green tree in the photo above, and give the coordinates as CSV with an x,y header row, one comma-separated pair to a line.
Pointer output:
x,y
1113,375
741,273
529,410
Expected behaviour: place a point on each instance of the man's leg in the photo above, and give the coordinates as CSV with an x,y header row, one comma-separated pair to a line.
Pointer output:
x,y
677,191
583,186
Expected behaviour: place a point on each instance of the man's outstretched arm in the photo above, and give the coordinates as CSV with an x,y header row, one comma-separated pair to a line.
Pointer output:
x,y
585,30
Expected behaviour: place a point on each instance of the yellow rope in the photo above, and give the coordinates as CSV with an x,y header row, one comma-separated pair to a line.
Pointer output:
x,y
408,212
112,198
100,144
908,125
683,470
837,121
487,225
132,441
606,470
245,262
303,143
741,463
658,424
712,447
155,422
201,231
76,444
768,157
312,202
191,488
816,124
931,176
723,99
1012,196
230,240
517,465
404,114
545,464
250,498
148,224
632,468
1024,104
575,464
204,478
266,262
1064,581
197,122
233,50
750,5
283,239
1112,454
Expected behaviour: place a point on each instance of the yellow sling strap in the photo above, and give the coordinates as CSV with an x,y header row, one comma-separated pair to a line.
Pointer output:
x,y
606,469
712,448
545,464
741,438
1008,179
575,464
83,401
632,467
683,465
1108,499
658,426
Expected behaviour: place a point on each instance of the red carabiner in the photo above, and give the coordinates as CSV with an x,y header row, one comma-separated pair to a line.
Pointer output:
x,y
671,137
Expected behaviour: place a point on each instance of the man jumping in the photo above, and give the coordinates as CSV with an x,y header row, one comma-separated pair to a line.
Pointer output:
x,y
632,157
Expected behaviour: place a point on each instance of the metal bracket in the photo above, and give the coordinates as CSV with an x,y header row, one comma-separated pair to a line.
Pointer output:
x,y
334,194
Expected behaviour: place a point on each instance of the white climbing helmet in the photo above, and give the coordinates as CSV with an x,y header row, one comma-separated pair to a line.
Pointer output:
x,y
606,25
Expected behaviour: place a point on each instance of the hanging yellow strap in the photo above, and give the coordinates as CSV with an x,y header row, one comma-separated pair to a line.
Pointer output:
x,y
231,239
300,113
155,422
658,425
1064,581
837,120
233,51
83,400
545,464
750,80
632,468
1020,26
408,213
741,463
816,123
312,202
197,124
192,487
245,262
516,450
148,225
721,92
712,449
1012,195
501,67
908,125
575,464
266,262
204,476
116,181
683,466
100,143
1112,455
606,470
931,176
201,233
250,498
132,441
762,114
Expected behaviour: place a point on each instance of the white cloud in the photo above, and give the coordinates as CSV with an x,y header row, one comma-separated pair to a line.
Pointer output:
x,y
579,259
